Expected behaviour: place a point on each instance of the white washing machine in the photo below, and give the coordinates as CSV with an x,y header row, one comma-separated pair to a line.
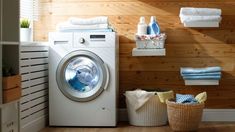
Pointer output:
x,y
83,79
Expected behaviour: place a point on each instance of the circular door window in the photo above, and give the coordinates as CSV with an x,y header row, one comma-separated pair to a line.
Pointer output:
x,y
82,75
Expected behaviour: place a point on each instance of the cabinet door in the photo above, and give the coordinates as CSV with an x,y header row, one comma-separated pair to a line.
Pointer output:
x,y
10,20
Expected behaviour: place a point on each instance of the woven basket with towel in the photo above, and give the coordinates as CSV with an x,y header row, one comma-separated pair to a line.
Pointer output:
x,y
186,116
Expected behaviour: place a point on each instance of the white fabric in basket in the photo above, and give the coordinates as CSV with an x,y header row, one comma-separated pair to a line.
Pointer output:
x,y
138,97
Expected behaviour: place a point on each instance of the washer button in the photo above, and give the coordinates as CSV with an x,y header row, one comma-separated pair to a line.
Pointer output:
x,y
82,40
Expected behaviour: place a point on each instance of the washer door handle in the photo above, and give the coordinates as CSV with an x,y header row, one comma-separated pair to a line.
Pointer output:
x,y
107,76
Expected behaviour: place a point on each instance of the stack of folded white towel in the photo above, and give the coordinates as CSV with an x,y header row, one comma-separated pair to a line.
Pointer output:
x,y
100,23
200,17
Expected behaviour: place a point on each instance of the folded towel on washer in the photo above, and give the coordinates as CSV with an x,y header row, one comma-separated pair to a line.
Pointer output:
x,y
89,21
201,97
191,11
189,70
186,18
163,96
88,30
185,98
64,26
138,97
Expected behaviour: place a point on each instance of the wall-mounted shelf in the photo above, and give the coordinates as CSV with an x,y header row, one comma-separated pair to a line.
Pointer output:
x,y
148,52
201,82
201,24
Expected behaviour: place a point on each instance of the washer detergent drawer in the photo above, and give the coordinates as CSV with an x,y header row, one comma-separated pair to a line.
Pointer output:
x,y
57,38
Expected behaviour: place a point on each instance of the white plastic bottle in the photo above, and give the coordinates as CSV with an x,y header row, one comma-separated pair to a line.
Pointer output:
x,y
142,27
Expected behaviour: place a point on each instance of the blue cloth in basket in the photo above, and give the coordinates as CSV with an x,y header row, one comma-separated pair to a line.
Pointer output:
x,y
185,98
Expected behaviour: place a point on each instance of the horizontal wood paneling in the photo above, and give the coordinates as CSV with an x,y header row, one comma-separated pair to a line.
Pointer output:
x,y
188,50
193,47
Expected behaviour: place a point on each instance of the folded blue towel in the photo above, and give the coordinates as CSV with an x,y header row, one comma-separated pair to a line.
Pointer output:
x,y
88,30
202,74
200,70
201,77
185,98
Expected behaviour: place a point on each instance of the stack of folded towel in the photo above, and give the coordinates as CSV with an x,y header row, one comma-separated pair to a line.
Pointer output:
x,y
200,17
208,73
98,24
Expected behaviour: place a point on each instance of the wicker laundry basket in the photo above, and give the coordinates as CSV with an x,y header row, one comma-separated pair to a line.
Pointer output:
x,y
184,117
152,113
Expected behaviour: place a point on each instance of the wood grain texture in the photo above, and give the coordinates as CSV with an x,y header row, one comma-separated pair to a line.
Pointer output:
x,y
124,127
185,47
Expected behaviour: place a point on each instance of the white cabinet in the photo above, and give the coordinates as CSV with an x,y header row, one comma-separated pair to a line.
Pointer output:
x,y
34,74
9,56
10,117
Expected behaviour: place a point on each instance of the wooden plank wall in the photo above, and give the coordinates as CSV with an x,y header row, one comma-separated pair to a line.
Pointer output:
x,y
186,47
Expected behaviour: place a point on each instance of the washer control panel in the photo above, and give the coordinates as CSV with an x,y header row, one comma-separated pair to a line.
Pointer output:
x,y
97,39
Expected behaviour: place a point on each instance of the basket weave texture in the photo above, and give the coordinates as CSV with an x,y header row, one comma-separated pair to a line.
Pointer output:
x,y
184,117
152,113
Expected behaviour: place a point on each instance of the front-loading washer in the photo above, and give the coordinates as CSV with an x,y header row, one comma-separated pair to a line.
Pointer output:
x,y
83,79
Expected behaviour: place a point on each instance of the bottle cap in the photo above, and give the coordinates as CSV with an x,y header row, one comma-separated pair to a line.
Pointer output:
x,y
142,19
153,19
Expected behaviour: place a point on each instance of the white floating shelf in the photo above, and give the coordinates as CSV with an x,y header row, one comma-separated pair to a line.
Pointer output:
x,y
201,24
201,82
148,52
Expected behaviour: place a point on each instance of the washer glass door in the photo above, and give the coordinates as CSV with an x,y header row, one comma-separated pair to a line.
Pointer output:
x,y
82,75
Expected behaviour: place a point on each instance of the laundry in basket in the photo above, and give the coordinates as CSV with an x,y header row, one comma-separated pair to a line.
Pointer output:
x,y
145,109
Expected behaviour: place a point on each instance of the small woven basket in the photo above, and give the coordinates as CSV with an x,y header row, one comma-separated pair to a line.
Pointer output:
x,y
184,117
150,41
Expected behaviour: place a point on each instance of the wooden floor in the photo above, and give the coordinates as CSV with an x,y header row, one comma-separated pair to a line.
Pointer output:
x,y
124,127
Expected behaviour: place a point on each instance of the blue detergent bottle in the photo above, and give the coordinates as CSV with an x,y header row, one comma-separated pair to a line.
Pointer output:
x,y
153,27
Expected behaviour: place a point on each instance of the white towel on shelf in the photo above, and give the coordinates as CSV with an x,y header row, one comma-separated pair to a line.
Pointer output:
x,y
89,21
64,26
186,18
191,11
138,97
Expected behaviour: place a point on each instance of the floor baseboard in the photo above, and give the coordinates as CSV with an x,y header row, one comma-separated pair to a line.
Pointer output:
x,y
225,115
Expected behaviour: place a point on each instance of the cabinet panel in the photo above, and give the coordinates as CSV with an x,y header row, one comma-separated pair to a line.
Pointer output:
x,y
10,21
0,52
